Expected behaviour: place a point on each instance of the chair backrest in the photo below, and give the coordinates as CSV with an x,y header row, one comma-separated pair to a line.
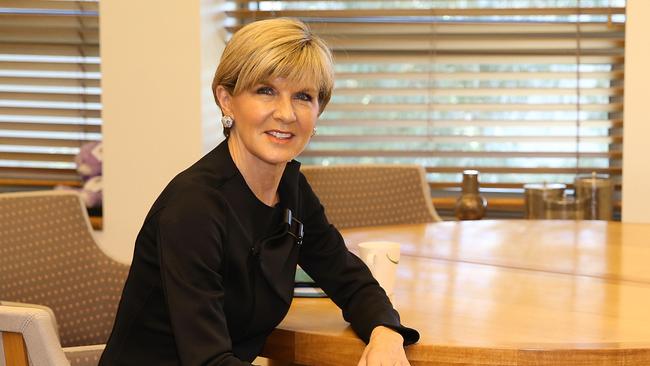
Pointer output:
x,y
371,195
48,256
29,338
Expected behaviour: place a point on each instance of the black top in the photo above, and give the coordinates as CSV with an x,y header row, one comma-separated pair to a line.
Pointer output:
x,y
213,270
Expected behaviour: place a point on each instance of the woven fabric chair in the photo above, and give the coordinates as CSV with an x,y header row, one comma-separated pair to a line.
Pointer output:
x,y
48,256
28,337
371,195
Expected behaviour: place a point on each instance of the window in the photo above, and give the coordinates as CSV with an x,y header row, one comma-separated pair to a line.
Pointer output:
x,y
524,91
49,90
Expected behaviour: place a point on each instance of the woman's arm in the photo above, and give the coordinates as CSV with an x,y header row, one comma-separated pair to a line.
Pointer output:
x,y
343,276
191,255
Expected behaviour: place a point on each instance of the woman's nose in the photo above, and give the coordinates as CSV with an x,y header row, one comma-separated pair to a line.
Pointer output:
x,y
284,110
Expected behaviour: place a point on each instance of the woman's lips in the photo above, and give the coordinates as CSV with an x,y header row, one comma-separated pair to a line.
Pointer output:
x,y
280,135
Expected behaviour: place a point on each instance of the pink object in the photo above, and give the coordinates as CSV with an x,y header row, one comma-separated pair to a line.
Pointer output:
x,y
89,166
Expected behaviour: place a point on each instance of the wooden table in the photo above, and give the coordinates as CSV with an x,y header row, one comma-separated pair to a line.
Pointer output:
x,y
507,292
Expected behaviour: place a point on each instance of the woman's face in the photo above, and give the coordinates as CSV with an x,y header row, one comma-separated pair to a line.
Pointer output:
x,y
273,120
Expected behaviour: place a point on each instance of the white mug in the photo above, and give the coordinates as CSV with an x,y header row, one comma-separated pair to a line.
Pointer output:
x,y
382,258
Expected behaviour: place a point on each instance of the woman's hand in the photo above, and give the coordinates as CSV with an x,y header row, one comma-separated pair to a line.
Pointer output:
x,y
386,348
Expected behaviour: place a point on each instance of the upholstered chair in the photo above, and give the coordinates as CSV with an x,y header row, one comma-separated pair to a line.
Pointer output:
x,y
48,256
371,195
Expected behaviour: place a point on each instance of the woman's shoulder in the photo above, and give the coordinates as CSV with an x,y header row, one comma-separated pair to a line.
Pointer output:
x,y
191,194
202,182
305,188
187,192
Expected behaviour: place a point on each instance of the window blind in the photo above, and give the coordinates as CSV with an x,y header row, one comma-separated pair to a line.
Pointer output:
x,y
523,91
49,89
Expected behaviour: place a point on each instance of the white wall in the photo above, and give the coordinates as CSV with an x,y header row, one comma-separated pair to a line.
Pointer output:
x,y
636,138
158,58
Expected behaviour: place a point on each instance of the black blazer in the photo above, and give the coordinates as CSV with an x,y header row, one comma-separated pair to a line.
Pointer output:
x,y
213,270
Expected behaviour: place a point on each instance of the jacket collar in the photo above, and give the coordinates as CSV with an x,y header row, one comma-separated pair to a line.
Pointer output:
x,y
221,164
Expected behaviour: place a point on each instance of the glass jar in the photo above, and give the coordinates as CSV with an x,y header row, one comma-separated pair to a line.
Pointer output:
x,y
534,196
567,208
597,192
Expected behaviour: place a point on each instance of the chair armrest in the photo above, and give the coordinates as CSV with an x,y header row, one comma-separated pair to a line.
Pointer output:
x,y
34,327
35,306
84,355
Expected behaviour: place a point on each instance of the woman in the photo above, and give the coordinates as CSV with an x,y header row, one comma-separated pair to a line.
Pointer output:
x,y
214,263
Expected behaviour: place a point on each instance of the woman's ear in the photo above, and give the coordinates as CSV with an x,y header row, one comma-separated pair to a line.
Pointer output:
x,y
225,100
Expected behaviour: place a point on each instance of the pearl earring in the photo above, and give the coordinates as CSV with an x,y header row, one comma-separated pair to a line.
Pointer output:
x,y
313,132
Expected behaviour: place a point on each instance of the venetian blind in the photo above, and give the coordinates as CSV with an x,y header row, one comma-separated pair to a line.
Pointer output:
x,y
524,91
49,89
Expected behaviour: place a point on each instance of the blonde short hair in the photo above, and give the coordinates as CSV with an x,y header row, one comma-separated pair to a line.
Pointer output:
x,y
280,47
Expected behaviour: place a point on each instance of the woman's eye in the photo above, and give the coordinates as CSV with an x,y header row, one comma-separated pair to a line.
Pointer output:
x,y
265,90
304,96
